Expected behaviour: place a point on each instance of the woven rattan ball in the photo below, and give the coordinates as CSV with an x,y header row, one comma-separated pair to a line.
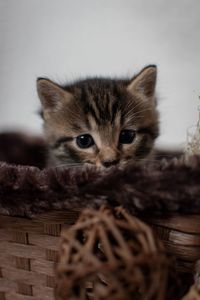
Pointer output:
x,y
111,255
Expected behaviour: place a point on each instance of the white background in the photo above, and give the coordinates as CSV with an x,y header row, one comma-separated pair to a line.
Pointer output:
x,y
65,40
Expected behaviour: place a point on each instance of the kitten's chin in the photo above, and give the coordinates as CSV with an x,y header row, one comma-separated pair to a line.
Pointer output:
x,y
99,167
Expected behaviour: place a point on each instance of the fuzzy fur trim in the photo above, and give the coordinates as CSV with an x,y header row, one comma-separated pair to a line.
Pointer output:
x,y
161,188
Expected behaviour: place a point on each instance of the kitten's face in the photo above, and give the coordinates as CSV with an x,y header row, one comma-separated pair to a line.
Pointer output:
x,y
100,121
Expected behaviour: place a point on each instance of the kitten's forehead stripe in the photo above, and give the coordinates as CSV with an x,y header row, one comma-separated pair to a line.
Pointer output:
x,y
100,97
94,112
114,110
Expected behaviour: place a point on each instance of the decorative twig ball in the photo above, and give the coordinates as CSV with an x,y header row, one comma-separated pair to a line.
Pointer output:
x,y
111,255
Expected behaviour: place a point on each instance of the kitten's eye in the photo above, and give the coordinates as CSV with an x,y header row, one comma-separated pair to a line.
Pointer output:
x,y
84,141
126,136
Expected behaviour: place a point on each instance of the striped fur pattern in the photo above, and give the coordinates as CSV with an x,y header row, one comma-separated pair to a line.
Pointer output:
x,y
101,108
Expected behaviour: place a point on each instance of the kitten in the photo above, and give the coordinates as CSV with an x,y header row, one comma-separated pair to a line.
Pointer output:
x,y
100,121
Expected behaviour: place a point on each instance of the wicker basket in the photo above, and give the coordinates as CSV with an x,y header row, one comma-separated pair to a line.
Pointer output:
x,y
181,237
28,253
28,250
28,247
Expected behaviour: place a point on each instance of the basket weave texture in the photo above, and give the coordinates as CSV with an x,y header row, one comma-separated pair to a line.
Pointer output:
x,y
115,256
29,253
181,237
29,250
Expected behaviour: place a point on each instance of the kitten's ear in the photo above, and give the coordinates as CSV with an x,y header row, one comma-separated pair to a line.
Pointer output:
x,y
51,95
145,82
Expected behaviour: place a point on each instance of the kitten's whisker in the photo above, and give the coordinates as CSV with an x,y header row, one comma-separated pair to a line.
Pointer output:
x,y
138,105
133,117
130,104
138,112
69,165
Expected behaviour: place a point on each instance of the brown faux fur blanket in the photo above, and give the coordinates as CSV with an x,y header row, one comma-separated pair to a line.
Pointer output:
x,y
165,186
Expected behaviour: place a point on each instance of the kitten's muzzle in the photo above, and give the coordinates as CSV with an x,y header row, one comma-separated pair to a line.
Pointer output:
x,y
108,156
109,163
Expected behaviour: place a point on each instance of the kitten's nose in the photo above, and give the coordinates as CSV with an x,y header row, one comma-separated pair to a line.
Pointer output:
x,y
109,163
